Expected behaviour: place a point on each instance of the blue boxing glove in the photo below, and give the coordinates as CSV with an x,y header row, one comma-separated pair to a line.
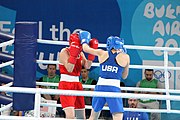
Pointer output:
x,y
85,37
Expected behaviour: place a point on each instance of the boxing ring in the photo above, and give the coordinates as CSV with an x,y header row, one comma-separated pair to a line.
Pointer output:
x,y
38,91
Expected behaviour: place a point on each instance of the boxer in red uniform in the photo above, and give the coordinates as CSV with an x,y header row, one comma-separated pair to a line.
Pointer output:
x,y
71,61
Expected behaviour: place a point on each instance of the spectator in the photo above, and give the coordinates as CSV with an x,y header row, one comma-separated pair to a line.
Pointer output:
x,y
85,78
87,81
17,113
128,115
52,78
1,92
149,82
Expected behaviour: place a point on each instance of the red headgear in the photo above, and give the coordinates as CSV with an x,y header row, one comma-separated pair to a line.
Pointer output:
x,y
74,38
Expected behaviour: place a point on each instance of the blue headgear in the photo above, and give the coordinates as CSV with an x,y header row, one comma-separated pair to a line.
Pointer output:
x,y
114,42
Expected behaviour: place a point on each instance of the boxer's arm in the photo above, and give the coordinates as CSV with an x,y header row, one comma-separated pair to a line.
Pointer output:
x,y
96,52
63,59
93,44
126,68
86,63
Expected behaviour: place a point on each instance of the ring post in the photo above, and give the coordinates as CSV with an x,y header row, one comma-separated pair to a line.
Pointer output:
x,y
25,48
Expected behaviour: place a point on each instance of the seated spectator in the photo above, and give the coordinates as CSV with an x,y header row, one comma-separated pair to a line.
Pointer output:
x,y
52,78
87,81
149,82
128,115
2,92
17,113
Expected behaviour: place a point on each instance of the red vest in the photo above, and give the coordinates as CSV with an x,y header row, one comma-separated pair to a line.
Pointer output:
x,y
77,68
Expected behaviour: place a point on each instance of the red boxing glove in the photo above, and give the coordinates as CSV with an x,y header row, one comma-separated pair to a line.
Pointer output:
x,y
74,50
93,44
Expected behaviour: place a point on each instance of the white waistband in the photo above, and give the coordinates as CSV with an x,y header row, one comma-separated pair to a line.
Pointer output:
x,y
110,82
69,78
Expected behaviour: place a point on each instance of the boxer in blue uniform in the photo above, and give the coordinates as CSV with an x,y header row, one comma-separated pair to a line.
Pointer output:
x,y
114,65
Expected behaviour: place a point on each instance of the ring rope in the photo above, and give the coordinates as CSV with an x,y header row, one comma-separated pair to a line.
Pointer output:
x,y
47,62
30,118
56,62
106,108
91,93
96,64
122,88
8,84
126,109
130,66
88,93
100,45
104,45
6,55
52,42
6,63
7,35
6,43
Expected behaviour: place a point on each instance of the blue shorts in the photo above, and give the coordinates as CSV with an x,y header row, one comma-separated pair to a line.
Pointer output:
x,y
114,104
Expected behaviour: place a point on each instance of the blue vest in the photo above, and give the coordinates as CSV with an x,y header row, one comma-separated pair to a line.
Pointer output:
x,y
109,69
135,116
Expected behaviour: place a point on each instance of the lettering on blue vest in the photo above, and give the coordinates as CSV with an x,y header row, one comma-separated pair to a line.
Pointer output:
x,y
132,118
110,68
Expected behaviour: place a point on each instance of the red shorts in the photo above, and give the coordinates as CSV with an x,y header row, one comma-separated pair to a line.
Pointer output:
x,y
71,101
